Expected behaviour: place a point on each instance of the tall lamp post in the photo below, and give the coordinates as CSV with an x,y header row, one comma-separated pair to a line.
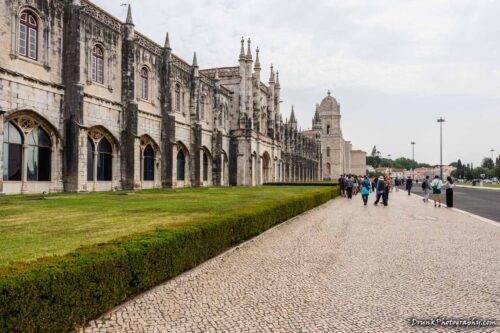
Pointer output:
x,y
441,121
413,158
492,155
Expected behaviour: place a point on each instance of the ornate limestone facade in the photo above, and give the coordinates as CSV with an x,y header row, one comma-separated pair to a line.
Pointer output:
x,y
87,103
337,155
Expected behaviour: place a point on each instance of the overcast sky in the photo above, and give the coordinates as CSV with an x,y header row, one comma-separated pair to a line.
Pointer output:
x,y
394,66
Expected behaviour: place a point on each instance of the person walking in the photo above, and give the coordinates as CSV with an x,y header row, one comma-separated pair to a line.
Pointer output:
x,y
409,184
348,187
342,185
374,183
365,189
397,182
388,188
449,191
426,189
355,185
436,186
380,191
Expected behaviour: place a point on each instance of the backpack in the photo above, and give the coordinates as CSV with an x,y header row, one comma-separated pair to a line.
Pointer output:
x,y
424,184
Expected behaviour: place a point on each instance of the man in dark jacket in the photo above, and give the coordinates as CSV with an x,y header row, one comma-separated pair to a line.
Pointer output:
x,y
409,184
380,191
342,186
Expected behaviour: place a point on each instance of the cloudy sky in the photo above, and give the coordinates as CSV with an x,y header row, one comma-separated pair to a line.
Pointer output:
x,y
394,66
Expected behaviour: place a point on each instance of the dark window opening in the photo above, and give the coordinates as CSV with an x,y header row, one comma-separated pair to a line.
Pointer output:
x,y
149,157
181,164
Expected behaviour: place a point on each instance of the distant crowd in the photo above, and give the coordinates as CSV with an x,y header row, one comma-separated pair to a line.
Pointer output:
x,y
352,185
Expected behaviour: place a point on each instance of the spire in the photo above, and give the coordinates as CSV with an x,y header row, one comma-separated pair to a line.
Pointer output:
x,y
216,75
277,79
167,42
257,60
249,50
271,76
195,61
242,51
129,15
292,116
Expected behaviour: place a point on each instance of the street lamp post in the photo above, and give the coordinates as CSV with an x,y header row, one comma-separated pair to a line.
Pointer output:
x,y
441,121
492,154
413,158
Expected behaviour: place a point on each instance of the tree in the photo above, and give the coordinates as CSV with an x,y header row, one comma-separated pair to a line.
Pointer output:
x,y
405,163
487,163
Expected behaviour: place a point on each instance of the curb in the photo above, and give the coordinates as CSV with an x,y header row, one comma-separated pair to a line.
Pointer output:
x,y
480,218
480,187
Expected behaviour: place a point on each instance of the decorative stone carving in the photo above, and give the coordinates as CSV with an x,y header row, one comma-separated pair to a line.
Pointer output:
x,y
26,123
95,135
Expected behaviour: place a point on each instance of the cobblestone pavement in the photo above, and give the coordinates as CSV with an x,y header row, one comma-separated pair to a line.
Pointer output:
x,y
341,267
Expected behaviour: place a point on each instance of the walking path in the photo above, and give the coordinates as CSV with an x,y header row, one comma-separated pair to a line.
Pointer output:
x,y
338,268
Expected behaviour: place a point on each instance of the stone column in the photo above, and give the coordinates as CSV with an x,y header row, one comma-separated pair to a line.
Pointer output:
x,y
1,150
73,98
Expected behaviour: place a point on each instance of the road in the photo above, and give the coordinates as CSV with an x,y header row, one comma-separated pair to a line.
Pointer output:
x,y
341,267
482,202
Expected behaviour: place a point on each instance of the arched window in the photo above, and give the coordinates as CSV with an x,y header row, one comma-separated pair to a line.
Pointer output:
x,y
327,129
98,64
90,159
177,97
39,155
205,167
148,163
12,152
328,168
28,35
104,160
144,83
328,151
181,164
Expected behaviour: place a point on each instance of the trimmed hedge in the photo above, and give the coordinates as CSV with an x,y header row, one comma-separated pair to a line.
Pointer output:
x,y
61,293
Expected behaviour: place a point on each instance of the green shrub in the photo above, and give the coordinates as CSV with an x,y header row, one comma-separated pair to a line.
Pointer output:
x,y
325,183
61,293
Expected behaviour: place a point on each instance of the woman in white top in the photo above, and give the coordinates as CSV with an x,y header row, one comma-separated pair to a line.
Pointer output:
x,y
436,186
449,191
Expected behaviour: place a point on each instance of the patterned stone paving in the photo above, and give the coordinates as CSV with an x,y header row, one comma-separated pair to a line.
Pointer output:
x,y
338,268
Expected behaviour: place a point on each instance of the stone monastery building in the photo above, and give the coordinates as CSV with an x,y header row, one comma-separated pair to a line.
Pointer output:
x,y
87,103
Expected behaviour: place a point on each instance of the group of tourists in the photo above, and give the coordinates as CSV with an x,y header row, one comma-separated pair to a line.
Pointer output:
x,y
436,186
352,185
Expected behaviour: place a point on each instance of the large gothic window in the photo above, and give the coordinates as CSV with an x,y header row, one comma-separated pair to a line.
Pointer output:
x,y
12,153
98,64
148,163
144,83
205,167
181,164
28,35
38,155
104,160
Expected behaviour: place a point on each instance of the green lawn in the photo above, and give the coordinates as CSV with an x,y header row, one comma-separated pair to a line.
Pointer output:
x,y
36,226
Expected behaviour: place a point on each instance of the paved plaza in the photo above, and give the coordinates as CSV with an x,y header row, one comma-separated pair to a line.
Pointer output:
x,y
341,267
